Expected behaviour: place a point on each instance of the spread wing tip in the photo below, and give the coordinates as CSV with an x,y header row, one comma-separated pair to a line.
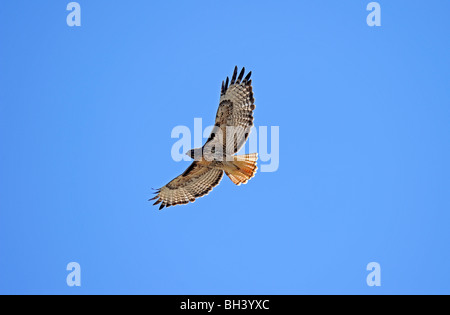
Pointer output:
x,y
235,79
247,78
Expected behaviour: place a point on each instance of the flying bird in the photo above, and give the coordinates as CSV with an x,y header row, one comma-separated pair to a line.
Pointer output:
x,y
234,120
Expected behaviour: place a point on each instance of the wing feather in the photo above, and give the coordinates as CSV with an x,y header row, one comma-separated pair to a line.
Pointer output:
x,y
235,110
196,181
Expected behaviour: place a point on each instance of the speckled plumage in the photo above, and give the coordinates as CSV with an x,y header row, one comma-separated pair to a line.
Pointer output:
x,y
234,120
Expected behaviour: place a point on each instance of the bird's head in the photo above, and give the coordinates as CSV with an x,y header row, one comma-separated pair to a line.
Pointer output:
x,y
195,154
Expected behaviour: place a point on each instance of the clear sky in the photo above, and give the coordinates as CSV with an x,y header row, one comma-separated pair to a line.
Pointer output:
x,y
86,115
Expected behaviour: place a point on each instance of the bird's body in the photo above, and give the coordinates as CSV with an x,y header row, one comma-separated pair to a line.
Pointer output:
x,y
234,119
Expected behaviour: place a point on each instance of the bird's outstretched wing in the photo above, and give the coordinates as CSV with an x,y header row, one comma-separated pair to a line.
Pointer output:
x,y
196,181
236,107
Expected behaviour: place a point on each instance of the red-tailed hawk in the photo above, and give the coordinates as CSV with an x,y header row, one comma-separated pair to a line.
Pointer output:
x,y
234,120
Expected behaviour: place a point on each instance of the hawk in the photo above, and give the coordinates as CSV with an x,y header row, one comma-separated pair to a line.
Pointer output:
x,y
234,120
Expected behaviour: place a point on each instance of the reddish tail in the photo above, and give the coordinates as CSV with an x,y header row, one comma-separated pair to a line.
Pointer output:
x,y
242,168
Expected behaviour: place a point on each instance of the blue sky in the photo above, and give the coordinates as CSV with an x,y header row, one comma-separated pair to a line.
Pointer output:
x,y
86,115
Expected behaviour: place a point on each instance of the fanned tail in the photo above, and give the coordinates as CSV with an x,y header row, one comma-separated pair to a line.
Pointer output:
x,y
243,168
